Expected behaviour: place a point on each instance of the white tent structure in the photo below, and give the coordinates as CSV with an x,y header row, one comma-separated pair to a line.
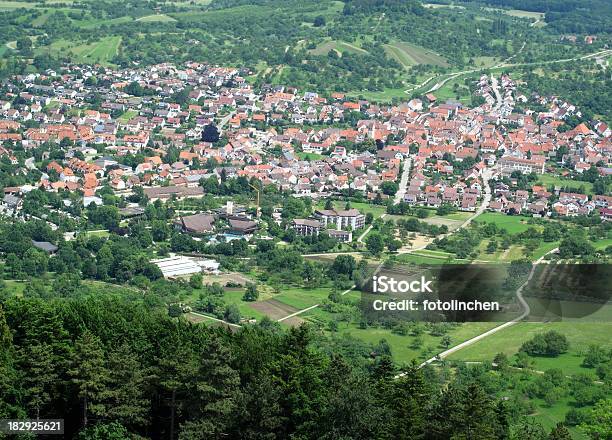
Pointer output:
x,y
177,266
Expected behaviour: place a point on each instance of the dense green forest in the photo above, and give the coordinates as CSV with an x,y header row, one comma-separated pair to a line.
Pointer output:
x,y
114,369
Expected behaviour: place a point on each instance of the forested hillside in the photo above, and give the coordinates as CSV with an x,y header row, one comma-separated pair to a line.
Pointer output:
x,y
115,370
356,46
593,16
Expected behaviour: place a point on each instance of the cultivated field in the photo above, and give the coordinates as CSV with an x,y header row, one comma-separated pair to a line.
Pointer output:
x,y
408,55
273,308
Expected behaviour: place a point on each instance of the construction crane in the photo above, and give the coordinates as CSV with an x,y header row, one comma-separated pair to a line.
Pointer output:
x,y
258,211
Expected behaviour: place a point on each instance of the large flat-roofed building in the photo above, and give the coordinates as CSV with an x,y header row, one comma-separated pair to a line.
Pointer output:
x,y
306,227
177,266
341,218
180,266
341,236
508,164
165,192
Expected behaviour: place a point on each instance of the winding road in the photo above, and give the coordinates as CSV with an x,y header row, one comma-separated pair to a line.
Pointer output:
x,y
504,63
524,305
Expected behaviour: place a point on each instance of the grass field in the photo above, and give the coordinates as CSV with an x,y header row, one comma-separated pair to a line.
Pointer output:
x,y
129,114
420,258
101,51
439,6
602,244
525,14
9,5
309,156
385,95
246,311
511,223
456,90
301,298
91,22
409,55
364,208
514,252
15,287
579,334
188,3
156,18
548,180
275,306
401,348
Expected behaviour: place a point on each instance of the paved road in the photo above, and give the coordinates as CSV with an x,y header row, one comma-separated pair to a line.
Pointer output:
x,y
524,305
506,64
418,86
367,231
498,98
399,195
225,119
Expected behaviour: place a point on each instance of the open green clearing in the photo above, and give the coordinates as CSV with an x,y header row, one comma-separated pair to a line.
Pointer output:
x,y
338,46
419,257
309,156
101,51
548,180
514,224
579,334
385,95
408,54
509,340
440,5
129,114
514,252
525,14
364,208
156,18
9,5
301,298
401,345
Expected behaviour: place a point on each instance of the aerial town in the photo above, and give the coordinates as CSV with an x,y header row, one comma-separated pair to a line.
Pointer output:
x,y
330,219
295,140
